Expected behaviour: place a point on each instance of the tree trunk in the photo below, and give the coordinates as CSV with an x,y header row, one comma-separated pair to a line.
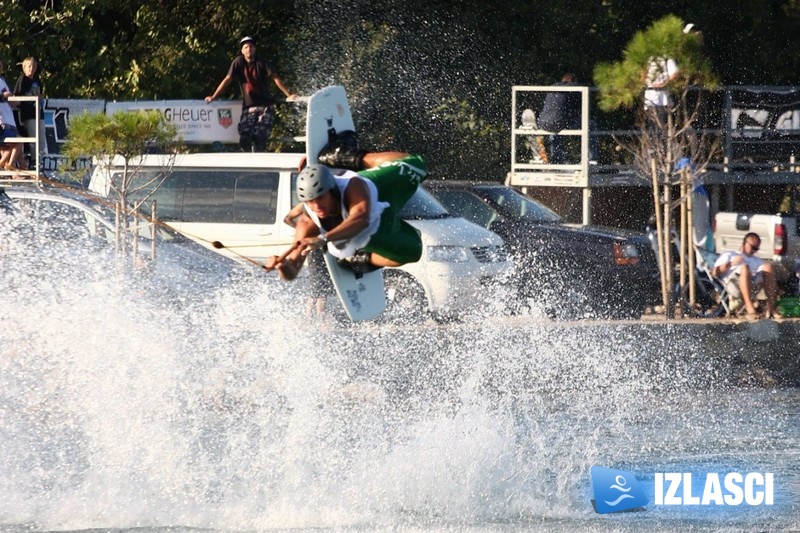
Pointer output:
x,y
659,235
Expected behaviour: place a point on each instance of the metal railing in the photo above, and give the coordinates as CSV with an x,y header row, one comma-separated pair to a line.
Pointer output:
x,y
759,127
36,156
532,171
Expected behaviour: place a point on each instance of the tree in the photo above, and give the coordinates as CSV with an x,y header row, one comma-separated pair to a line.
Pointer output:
x,y
127,135
666,56
431,76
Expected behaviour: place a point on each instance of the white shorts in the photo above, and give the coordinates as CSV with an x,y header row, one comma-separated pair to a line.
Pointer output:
x,y
732,284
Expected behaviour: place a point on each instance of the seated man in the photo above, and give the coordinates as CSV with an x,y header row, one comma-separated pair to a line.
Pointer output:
x,y
744,275
354,214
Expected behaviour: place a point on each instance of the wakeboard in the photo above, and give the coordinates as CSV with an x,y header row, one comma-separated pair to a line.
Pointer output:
x,y
363,296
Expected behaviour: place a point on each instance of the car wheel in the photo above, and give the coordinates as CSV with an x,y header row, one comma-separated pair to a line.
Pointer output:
x,y
405,298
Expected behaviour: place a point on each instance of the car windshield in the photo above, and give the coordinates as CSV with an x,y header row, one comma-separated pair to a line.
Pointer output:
x,y
468,205
143,228
517,206
423,206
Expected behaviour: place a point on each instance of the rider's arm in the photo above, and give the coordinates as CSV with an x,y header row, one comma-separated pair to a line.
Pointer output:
x,y
288,269
290,218
356,200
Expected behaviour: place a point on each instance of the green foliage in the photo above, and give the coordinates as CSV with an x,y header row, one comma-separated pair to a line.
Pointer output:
x,y
152,49
126,133
400,60
622,84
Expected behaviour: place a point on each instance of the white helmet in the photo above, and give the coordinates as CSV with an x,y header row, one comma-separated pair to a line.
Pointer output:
x,y
313,182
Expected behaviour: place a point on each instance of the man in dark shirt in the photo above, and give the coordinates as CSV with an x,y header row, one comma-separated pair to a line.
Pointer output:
x,y
561,111
28,84
258,111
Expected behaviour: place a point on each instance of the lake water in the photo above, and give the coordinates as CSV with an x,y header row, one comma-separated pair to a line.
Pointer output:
x,y
231,412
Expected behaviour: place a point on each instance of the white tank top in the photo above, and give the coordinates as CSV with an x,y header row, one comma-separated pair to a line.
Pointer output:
x,y
348,247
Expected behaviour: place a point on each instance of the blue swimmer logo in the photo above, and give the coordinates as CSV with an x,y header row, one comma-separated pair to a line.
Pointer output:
x,y
616,490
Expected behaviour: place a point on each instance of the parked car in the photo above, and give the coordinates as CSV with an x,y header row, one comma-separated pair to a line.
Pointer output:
x,y
66,225
242,199
570,271
463,265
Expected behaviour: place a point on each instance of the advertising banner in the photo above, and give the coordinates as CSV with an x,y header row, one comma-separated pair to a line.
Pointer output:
x,y
57,112
197,122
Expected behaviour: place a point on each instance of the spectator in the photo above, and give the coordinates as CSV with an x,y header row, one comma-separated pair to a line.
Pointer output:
x,y
28,84
535,142
562,111
703,236
258,107
661,72
657,99
10,153
744,275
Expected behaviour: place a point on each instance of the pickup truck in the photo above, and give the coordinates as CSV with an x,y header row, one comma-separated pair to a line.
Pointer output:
x,y
780,241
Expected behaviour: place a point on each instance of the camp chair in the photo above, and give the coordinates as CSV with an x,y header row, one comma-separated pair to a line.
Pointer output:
x,y
711,297
733,304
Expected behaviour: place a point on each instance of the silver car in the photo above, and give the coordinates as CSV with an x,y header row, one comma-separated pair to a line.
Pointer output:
x,y
65,226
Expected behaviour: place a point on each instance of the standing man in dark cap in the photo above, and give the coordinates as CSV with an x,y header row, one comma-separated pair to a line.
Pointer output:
x,y
258,110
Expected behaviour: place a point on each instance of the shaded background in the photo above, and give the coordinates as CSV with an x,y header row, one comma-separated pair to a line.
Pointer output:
x,y
431,76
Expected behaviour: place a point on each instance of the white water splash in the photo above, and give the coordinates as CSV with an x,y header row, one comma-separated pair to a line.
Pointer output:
x,y
227,411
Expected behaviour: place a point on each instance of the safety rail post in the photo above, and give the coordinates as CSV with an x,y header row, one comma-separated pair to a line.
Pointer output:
x,y
23,140
533,173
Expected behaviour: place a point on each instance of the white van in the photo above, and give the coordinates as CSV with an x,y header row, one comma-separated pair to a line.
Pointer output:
x,y
241,199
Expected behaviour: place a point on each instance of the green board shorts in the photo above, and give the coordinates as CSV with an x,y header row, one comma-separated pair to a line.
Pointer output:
x,y
396,181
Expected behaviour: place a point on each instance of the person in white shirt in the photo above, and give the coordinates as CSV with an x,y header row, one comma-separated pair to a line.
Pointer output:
x,y
354,215
11,152
657,99
744,275
661,71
